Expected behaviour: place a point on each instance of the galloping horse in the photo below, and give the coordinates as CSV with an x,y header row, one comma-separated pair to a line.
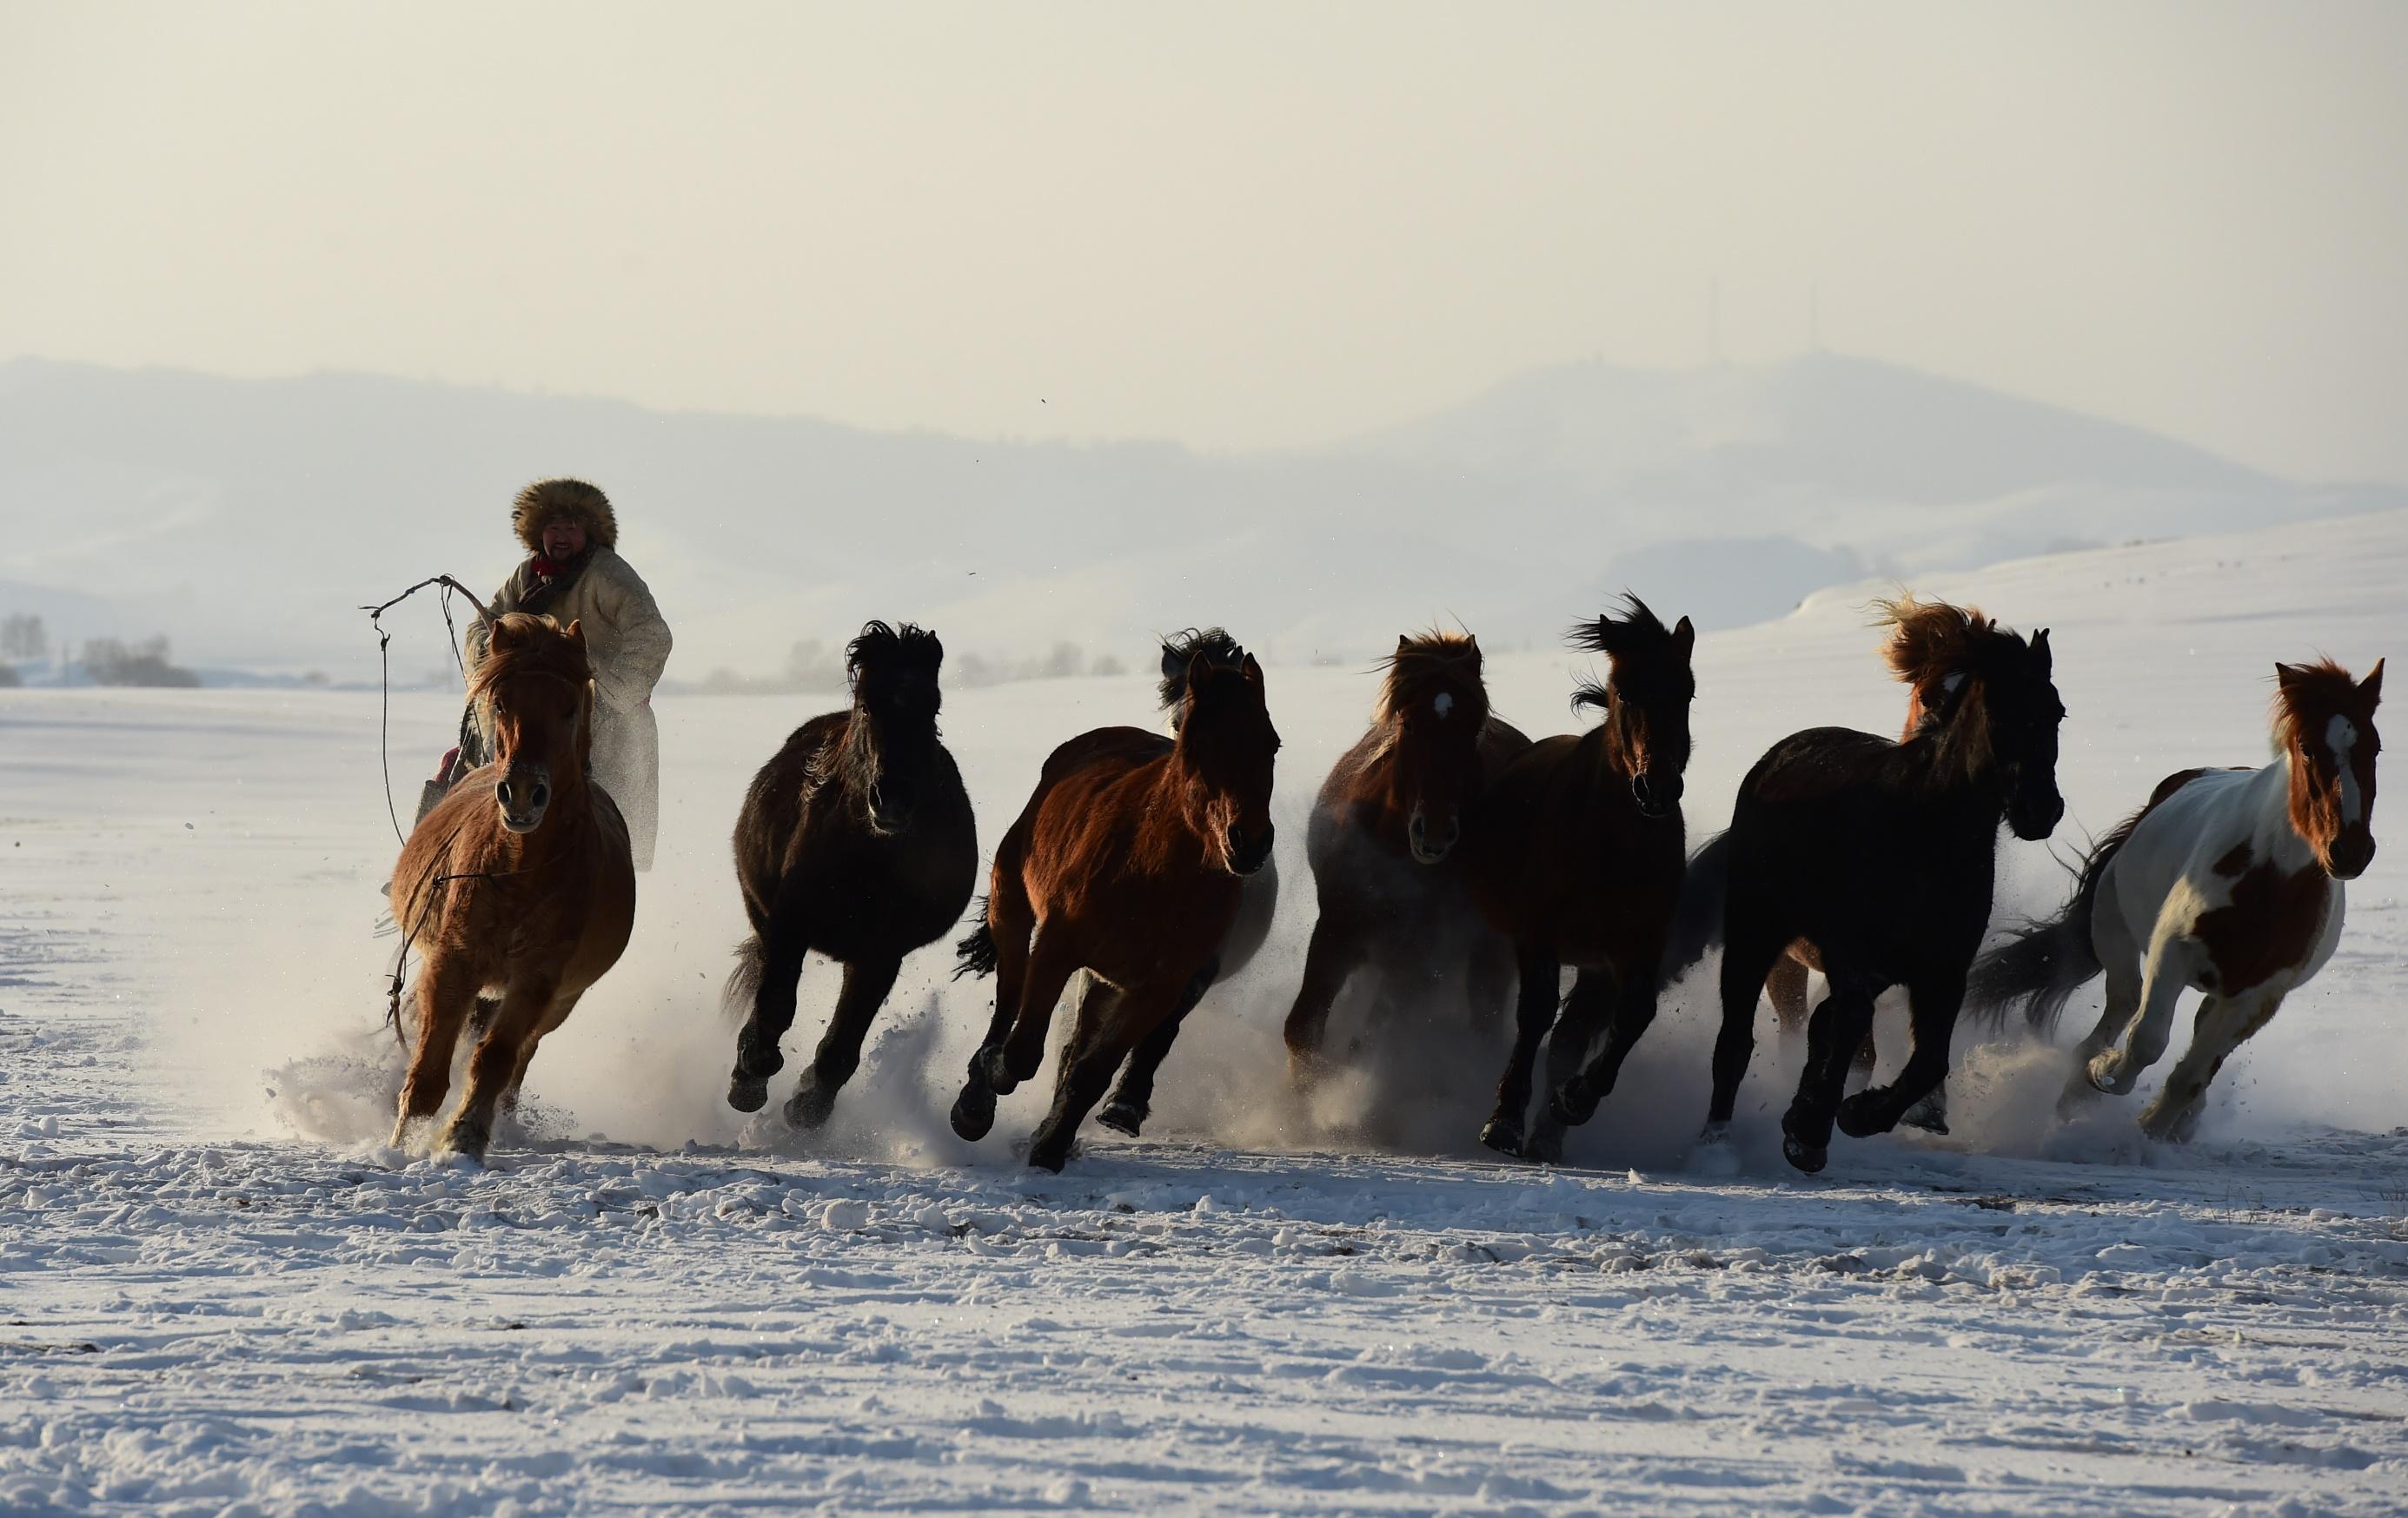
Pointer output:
x,y
1574,853
1128,861
1785,986
2228,881
855,839
1381,839
517,888
1132,1100
1881,856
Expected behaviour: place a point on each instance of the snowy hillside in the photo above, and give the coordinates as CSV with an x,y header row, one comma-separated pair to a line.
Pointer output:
x,y
226,1297
246,518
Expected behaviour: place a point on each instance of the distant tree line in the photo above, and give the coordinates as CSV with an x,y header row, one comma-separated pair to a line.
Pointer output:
x,y
814,666
106,660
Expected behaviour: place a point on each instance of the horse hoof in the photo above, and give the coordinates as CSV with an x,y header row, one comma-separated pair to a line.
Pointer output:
x,y
1715,1132
973,1112
811,1104
1502,1137
1810,1158
2106,1075
996,1074
1928,1115
1545,1146
1573,1103
1122,1118
467,1142
747,1094
1049,1157
1857,1119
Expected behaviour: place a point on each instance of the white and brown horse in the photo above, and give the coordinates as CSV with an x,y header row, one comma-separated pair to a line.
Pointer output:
x,y
2228,881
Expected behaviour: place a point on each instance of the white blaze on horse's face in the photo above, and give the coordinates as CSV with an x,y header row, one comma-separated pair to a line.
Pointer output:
x,y
2341,736
1444,704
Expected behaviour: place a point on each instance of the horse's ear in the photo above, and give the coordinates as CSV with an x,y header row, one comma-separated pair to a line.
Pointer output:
x,y
1173,666
2371,686
1403,642
1199,674
1684,636
2039,646
502,636
1252,671
577,631
2285,676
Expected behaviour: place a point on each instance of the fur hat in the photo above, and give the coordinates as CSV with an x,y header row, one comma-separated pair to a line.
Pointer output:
x,y
551,500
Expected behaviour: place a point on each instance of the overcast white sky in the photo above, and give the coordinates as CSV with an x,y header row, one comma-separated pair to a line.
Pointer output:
x,y
1232,226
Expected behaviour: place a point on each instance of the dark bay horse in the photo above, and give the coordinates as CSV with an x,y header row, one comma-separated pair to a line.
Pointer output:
x,y
2227,882
1381,842
1132,1100
1881,854
517,888
856,840
1575,853
1127,860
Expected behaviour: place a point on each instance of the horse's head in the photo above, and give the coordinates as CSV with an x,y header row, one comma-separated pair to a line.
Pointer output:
x,y
891,744
1434,708
2325,722
1645,698
1181,650
1987,697
535,691
1224,748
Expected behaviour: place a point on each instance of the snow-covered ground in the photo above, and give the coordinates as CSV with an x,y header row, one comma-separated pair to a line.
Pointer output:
x,y
222,1296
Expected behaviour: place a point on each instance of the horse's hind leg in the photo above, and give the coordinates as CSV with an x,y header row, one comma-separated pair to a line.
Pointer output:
x,y
446,993
1832,1035
1534,1012
2120,954
2221,1027
1786,984
1010,921
1935,1001
786,941
1583,1015
1750,956
562,1006
1132,1102
866,986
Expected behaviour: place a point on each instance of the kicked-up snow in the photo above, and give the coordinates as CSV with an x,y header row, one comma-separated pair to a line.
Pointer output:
x,y
220,1294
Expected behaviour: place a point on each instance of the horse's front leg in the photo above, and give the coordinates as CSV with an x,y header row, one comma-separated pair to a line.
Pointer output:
x,y
1832,1035
445,991
1052,962
866,986
1934,1001
527,1005
1102,1037
2173,962
784,944
1132,1101
1586,1012
1336,952
2222,1027
1534,1012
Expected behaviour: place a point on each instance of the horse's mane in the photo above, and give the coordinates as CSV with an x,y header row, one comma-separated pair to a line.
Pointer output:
x,y
1180,650
2309,696
1425,663
537,644
879,641
1637,627
1935,647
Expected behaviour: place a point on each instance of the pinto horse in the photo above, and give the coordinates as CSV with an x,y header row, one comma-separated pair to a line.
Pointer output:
x,y
1382,840
1132,1099
1881,854
517,888
1129,862
2228,881
1574,854
855,839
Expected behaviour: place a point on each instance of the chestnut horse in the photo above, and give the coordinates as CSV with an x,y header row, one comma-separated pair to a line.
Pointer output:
x,y
1132,1100
1381,839
1881,854
2228,881
517,888
1129,860
855,839
1575,851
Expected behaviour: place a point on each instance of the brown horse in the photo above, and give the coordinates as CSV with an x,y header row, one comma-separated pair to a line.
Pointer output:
x,y
517,888
1129,860
1575,853
855,839
1382,841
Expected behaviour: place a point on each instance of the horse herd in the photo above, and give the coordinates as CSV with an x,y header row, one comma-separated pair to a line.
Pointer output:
x,y
1444,843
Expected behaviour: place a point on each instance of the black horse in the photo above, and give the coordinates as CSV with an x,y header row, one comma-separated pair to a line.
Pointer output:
x,y
1881,854
855,840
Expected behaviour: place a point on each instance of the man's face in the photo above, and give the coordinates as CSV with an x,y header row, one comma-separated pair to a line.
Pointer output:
x,y
562,541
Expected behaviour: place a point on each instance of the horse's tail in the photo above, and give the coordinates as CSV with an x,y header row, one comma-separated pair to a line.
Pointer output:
x,y
2043,966
976,954
744,981
1698,921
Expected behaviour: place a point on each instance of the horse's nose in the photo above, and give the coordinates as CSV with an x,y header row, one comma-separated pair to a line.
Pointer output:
x,y
1656,798
1247,852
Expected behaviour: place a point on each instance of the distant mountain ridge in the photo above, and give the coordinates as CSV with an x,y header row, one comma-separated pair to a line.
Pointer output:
x,y
248,519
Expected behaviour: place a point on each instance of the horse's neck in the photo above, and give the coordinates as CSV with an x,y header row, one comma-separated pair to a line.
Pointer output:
x,y
2264,810
1927,765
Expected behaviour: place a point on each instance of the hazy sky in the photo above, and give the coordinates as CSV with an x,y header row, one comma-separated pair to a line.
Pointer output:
x,y
1232,226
